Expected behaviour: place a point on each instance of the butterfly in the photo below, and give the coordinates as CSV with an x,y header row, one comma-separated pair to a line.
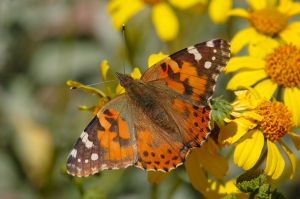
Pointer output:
x,y
159,119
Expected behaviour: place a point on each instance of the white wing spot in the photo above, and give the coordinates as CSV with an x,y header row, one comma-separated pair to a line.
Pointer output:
x,y
79,160
94,156
215,51
193,50
86,161
210,43
73,153
84,137
213,58
207,65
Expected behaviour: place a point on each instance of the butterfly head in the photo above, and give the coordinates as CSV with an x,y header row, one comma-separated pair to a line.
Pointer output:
x,y
125,80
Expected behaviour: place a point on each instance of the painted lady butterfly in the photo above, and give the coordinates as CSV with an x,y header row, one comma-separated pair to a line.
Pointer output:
x,y
159,119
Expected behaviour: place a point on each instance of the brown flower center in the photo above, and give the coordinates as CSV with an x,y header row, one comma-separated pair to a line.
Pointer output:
x,y
153,2
268,21
277,119
283,65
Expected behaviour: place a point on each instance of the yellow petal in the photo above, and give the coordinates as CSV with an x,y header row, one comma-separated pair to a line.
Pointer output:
x,y
246,79
211,161
154,58
248,150
104,67
187,3
266,88
239,12
242,38
248,62
120,89
88,89
122,10
195,172
275,162
261,46
236,129
136,73
290,35
165,21
257,4
291,99
289,7
155,177
291,157
218,10
296,139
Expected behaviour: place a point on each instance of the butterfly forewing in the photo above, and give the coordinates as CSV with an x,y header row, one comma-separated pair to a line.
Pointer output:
x,y
193,71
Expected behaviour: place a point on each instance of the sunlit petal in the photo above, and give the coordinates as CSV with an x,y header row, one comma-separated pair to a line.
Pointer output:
x,y
104,67
136,73
289,35
122,10
218,10
187,3
165,21
239,12
257,4
262,46
248,149
242,38
291,157
247,62
154,58
290,97
266,88
246,79
236,129
275,162
289,7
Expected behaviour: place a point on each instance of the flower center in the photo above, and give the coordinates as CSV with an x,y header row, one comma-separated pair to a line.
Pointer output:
x,y
152,2
283,65
268,21
277,119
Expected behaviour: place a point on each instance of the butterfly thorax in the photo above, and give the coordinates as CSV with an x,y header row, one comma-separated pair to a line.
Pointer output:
x,y
146,98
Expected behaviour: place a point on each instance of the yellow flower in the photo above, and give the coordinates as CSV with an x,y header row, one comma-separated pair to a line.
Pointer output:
x,y
270,66
267,19
219,9
104,96
202,161
257,122
163,16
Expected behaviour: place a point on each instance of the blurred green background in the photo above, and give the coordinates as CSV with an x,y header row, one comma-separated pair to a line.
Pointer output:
x,y
42,45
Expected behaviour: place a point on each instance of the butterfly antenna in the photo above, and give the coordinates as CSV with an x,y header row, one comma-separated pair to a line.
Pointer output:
x,y
124,40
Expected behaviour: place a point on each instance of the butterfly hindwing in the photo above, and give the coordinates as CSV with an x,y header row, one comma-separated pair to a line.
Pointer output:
x,y
106,143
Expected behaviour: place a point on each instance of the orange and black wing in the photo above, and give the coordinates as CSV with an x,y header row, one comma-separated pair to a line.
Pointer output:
x,y
107,142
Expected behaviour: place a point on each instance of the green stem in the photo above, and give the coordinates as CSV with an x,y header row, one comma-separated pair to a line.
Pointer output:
x,y
174,187
154,191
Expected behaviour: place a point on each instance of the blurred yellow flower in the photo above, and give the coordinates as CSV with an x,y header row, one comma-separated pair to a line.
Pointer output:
x,y
218,10
270,66
202,161
267,19
163,17
257,122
